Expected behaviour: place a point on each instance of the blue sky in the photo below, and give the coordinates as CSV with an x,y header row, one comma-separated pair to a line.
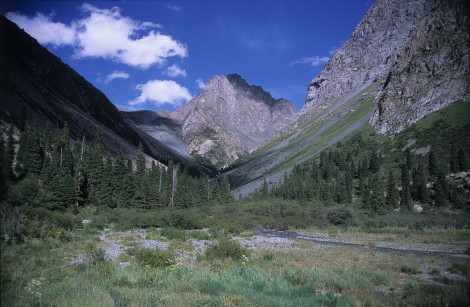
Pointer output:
x,y
158,55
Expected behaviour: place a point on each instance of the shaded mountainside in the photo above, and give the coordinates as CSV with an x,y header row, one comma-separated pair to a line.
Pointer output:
x,y
418,51
228,119
34,80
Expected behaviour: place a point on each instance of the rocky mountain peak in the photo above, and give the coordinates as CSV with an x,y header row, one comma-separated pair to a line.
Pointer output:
x,y
417,51
229,118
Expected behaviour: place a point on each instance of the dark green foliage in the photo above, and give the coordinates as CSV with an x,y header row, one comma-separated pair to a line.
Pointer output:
x,y
412,270
224,249
173,234
374,163
392,198
464,164
341,215
433,165
154,257
405,202
419,190
184,220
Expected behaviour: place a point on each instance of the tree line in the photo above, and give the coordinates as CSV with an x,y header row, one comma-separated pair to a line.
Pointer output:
x,y
46,169
348,174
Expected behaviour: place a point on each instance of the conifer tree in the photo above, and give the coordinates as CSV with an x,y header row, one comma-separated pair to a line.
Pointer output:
x,y
264,189
419,190
464,164
392,192
408,159
225,193
440,190
377,198
406,203
3,187
66,159
454,160
7,160
81,183
374,163
433,165
47,139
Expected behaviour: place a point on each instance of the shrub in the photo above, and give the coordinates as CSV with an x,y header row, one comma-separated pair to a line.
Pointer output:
x,y
173,234
341,216
411,288
154,257
409,269
184,220
226,249
461,268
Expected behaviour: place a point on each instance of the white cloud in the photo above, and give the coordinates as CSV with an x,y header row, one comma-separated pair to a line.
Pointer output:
x,y
174,7
107,34
313,60
162,92
116,75
201,84
43,29
175,71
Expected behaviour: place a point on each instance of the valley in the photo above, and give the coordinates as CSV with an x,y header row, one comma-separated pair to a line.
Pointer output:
x,y
235,198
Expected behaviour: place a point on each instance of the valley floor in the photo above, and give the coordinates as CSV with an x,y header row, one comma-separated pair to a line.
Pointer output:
x,y
345,267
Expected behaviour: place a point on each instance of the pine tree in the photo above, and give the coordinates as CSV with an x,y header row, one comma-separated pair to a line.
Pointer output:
x,y
376,198
3,187
440,190
225,193
433,165
66,159
47,138
464,164
454,160
408,159
140,161
392,192
419,190
264,189
374,163
406,203
9,153
81,183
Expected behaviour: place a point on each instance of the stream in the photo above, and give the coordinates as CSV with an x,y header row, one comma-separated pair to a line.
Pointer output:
x,y
416,252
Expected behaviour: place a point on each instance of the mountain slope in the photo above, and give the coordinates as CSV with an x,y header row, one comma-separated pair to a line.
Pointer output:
x,y
419,52
228,119
404,60
34,80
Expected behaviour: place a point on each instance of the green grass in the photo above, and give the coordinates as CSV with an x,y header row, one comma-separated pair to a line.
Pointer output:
x,y
261,278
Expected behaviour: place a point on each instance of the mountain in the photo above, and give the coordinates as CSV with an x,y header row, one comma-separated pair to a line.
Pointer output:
x,y
228,119
36,81
417,51
404,60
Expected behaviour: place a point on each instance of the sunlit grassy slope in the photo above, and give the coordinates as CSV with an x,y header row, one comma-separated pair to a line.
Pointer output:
x,y
441,130
344,116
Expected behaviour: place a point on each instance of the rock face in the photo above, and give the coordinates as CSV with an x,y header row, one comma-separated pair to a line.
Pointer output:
x,y
230,118
36,81
417,50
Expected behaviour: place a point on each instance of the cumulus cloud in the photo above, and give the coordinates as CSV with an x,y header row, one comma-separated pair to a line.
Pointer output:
x,y
313,61
107,34
116,75
43,29
201,84
175,71
161,92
